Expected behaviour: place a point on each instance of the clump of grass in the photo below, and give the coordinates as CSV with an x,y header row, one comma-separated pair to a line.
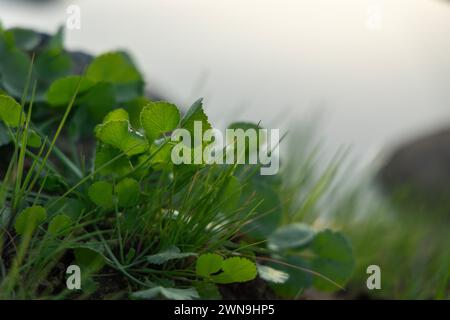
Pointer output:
x,y
408,245
137,225
406,239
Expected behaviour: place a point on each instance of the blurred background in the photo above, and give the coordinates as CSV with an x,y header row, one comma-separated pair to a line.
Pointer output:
x,y
377,71
371,76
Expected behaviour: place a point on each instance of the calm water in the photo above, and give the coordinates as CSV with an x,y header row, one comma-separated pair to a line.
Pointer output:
x,y
377,71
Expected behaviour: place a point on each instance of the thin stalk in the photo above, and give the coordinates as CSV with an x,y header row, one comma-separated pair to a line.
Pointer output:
x,y
55,137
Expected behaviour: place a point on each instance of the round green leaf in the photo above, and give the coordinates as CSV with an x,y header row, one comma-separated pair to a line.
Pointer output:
x,y
117,69
101,193
62,90
236,269
299,278
134,108
88,259
207,264
33,140
59,224
158,118
295,235
15,65
113,67
118,134
29,219
118,114
10,111
268,211
161,158
334,259
118,167
128,192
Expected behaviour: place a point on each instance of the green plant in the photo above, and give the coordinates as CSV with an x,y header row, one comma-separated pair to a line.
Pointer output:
x,y
121,209
214,268
407,243
410,247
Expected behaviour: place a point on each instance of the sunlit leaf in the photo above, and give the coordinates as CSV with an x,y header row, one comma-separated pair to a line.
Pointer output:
x,y
235,269
118,114
195,113
118,134
161,158
10,111
208,264
158,118
134,108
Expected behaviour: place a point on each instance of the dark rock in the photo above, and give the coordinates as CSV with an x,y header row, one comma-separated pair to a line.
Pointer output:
x,y
256,289
420,169
80,61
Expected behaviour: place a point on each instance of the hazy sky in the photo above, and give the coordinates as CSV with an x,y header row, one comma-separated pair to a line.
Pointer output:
x,y
379,71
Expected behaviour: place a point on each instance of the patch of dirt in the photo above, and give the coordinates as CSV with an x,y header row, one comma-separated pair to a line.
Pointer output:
x,y
253,290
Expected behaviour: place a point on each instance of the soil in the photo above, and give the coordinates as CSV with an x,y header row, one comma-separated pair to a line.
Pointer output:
x,y
253,290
